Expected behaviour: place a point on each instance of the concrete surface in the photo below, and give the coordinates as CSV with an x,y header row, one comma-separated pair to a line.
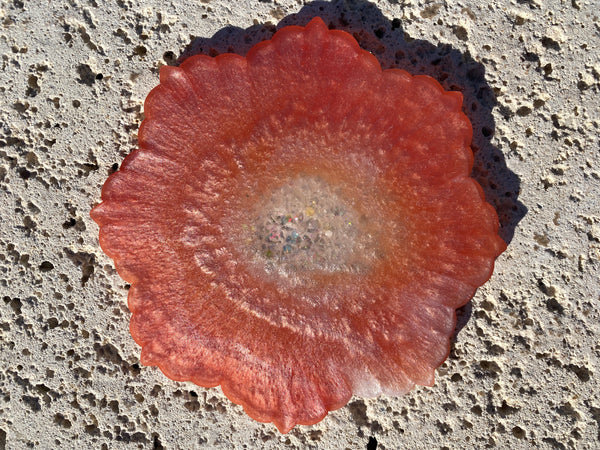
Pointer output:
x,y
524,369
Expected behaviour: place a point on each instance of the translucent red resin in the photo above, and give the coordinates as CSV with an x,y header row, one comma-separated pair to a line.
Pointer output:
x,y
298,225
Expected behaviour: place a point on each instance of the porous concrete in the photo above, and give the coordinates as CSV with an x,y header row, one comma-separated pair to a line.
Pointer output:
x,y
525,364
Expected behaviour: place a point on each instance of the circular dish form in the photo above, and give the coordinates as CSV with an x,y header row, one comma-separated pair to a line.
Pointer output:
x,y
298,226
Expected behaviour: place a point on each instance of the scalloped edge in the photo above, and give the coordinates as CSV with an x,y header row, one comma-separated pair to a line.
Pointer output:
x,y
316,25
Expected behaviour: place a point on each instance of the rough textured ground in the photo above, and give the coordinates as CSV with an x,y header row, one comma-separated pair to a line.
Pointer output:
x,y
525,364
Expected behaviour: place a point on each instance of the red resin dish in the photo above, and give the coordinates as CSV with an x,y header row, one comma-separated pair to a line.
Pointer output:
x,y
298,226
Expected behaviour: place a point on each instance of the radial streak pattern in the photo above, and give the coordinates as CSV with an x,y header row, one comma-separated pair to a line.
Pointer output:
x,y
351,291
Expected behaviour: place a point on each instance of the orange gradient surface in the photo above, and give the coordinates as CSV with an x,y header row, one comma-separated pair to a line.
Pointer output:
x,y
368,305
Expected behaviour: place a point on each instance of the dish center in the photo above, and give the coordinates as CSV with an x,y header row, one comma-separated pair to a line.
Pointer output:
x,y
307,225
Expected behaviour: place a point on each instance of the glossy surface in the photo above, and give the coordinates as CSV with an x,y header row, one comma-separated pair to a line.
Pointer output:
x,y
233,144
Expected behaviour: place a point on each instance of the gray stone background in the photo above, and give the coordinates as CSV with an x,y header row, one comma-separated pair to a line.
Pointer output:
x,y
524,367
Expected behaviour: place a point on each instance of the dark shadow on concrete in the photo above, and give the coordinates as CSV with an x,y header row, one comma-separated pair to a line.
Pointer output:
x,y
463,315
385,38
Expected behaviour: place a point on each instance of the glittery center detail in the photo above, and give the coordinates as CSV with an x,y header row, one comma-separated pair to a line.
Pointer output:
x,y
306,225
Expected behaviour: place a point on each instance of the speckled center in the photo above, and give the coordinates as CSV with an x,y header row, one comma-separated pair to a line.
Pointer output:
x,y
306,225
